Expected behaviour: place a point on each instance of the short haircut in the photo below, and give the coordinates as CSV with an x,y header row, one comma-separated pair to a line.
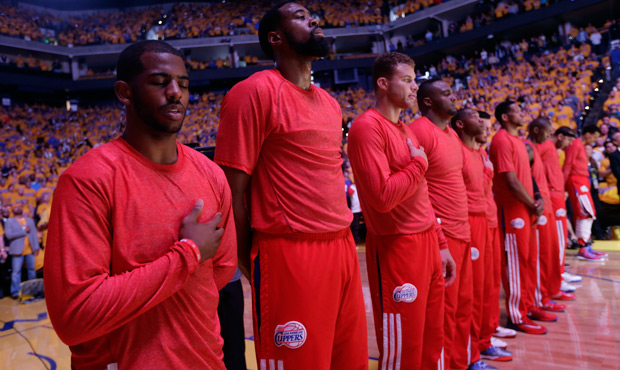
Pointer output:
x,y
269,23
129,63
566,131
484,115
385,64
424,91
540,122
460,114
590,129
502,108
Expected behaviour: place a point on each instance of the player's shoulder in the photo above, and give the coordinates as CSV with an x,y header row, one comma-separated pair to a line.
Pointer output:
x,y
258,81
96,162
205,166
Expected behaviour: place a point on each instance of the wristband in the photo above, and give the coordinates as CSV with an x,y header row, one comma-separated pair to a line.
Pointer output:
x,y
194,247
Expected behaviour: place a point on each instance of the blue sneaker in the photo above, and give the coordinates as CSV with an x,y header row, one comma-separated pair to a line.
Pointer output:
x,y
496,354
480,365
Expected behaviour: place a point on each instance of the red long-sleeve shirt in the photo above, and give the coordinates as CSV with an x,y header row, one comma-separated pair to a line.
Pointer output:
x,y
538,173
119,287
508,154
391,185
488,193
553,171
445,176
576,160
475,179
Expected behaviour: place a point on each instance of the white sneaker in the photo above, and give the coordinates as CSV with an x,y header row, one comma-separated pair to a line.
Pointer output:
x,y
570,278
502,332
567,288
496,342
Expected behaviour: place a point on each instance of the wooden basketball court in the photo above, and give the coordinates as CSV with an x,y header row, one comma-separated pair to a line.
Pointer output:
x,y
587,335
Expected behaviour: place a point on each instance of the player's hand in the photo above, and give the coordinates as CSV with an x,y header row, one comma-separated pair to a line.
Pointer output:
x,y
27,229
416,152
449,266
539,206
207,236
36,253
487,163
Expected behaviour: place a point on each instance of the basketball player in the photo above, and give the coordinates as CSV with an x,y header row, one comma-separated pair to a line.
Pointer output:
x,y
518,211
548,150
136,251
279,144
447,190
476,174
404,239
577,182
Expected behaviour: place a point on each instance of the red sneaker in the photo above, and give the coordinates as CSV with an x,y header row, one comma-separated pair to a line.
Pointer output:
x,y
563,296
538,314
554,307
528,326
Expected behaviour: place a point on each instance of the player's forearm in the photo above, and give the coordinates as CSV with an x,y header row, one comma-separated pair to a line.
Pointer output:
x,y
84,306
518,191
397,187
244,236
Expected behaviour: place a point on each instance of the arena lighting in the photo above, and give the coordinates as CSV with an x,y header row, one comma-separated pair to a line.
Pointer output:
x,y
587,107
165,15
596,89
601,81
158,22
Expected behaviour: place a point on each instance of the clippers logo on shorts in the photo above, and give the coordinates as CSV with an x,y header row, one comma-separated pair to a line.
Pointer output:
x,y
405,293
584,189
475,253
517,223
542,220
560,212
291,335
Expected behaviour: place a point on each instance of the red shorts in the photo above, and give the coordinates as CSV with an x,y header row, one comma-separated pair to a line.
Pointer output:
x,y
307,299
406,281
518,276
559,210
578,188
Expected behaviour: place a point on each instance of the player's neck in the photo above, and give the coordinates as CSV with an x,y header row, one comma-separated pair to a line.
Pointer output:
x,y
387,110
468,141
512,129
437,120
159,149
296,69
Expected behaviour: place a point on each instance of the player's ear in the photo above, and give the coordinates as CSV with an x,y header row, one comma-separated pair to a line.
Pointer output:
x,y
123,92
382,83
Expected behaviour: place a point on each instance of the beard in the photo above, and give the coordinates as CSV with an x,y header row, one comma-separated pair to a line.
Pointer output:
x,y
314,47
150,118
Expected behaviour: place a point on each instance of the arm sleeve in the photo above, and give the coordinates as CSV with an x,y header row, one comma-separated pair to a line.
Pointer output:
x,y
381,188
83,299
569,159
504,161
441,238
241,131
225,260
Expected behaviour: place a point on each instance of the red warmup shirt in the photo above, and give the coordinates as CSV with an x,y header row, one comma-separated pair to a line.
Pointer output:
x,y
576,160
488,193
119,287
553,171
288,139
392,187
508,154
538,173
445,176
475,178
